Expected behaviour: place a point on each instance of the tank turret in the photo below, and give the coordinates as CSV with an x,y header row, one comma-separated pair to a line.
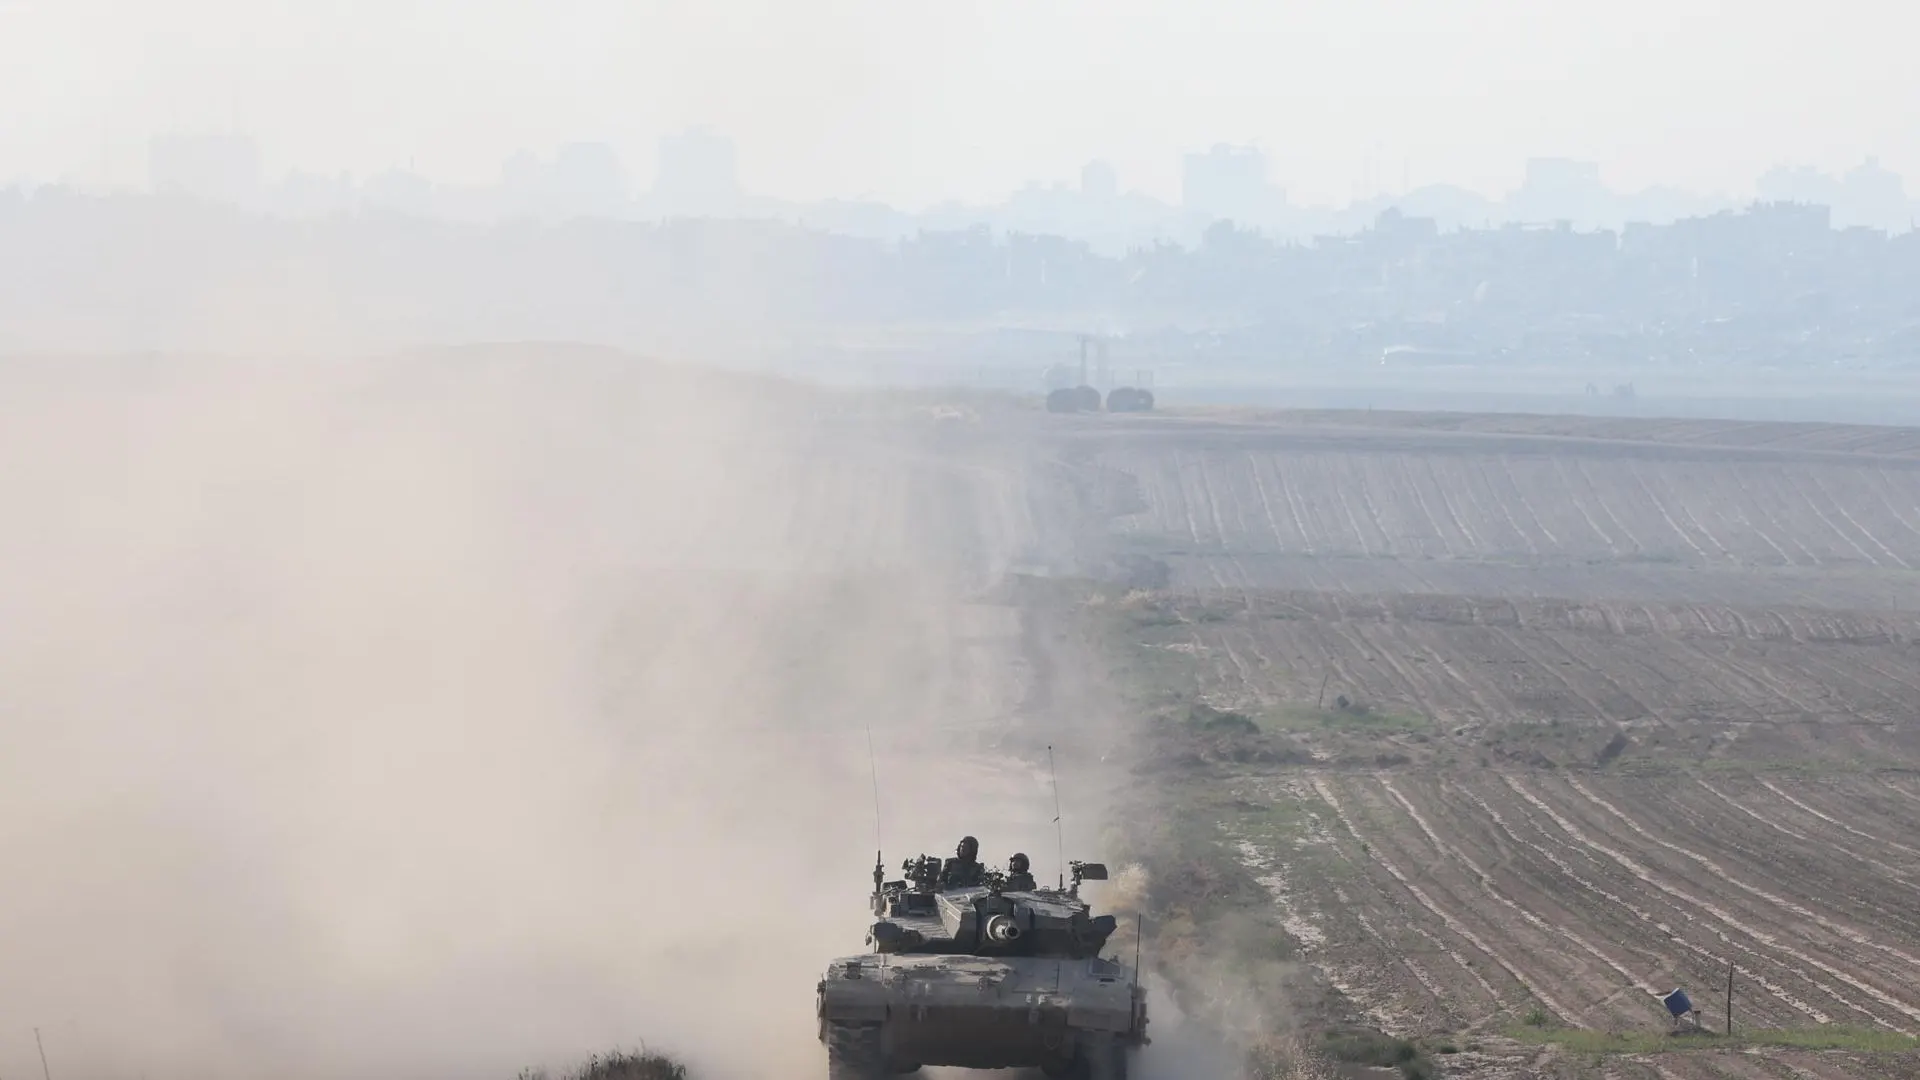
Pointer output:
x,y
985,975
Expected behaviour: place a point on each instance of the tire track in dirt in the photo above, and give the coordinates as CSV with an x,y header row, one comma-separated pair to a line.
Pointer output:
x,y
1845,932
1600,500
1765,676
1472,688
1297,504
1654,501
1708,503
1266,504
1406,960
1690,903
1474,546
1603,671
1791,482
1642,915
1204,472
1417,689
1594,708
1861,899
1383,1003
1884,492
1836,822
1365,490
1826,482
1506,469
1482,477
1449,1005
1750,501
1325,791
1401,473
1494,893
1779,902
1233,487
1573,499
1353,520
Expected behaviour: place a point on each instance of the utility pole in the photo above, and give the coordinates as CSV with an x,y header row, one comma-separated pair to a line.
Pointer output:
x,y
1729,999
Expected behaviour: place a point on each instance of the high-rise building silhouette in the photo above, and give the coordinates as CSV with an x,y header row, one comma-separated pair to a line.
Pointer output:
x,y
1099,181
1226,182
699,174
588,180
1561,189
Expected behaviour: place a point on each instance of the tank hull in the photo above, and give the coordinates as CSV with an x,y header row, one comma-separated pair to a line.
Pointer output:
x,y
981,1012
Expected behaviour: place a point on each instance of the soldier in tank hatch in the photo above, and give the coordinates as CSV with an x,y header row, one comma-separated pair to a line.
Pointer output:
x,y
964,868
1019,873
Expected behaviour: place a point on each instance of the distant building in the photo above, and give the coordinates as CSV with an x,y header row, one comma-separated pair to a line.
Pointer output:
x,y
1869,195
699,175
523,184
1559,189
1098,180
1798,184
1226,182
588,180
400,191
1876,197
218,168
304,194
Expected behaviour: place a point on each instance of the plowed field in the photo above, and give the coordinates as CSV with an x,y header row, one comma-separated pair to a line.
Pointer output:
x,y
1541,722
1503,514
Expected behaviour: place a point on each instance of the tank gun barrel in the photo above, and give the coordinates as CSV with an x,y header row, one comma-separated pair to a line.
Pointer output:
x,y
1002,930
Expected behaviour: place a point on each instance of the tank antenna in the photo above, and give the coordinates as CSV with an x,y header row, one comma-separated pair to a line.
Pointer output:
x,y
1059,831
873,770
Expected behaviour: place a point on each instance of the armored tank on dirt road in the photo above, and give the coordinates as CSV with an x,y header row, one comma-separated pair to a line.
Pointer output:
x,y
977,968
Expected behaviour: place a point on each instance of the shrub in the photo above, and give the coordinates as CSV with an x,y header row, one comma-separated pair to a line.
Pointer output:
x,y
619,1065
1366,1047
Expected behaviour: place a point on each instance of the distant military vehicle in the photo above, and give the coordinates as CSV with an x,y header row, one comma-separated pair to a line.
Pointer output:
x,y
1074,399
1129,399
967,971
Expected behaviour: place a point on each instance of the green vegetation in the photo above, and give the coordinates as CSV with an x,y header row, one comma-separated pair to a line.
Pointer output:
x,y
1369,1047
1214,927
1205,717
619,1065
1356,717
1826,1037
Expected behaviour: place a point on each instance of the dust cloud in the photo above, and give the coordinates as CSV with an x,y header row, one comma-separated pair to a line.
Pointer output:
x,y
442,715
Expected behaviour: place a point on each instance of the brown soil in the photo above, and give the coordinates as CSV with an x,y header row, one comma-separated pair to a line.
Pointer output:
x,y
1554,715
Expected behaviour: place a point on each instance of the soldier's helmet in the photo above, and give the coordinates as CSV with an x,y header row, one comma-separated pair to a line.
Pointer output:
x,y
1017,864
969,849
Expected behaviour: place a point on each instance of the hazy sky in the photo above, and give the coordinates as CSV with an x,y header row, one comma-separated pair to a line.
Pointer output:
x,y
915,101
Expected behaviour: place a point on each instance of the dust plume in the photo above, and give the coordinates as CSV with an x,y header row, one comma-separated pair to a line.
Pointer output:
x,y
441,715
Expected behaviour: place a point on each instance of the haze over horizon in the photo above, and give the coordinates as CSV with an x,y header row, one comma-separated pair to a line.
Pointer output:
x,y
917,106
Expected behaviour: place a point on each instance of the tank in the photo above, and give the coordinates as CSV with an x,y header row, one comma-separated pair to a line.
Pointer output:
x,y
992,974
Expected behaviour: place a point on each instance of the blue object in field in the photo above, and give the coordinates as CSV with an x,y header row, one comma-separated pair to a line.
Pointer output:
x,y
1678,1003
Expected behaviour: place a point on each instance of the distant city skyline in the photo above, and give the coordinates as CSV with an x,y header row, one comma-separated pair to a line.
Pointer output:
x,y
915,105
697,173
132,169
